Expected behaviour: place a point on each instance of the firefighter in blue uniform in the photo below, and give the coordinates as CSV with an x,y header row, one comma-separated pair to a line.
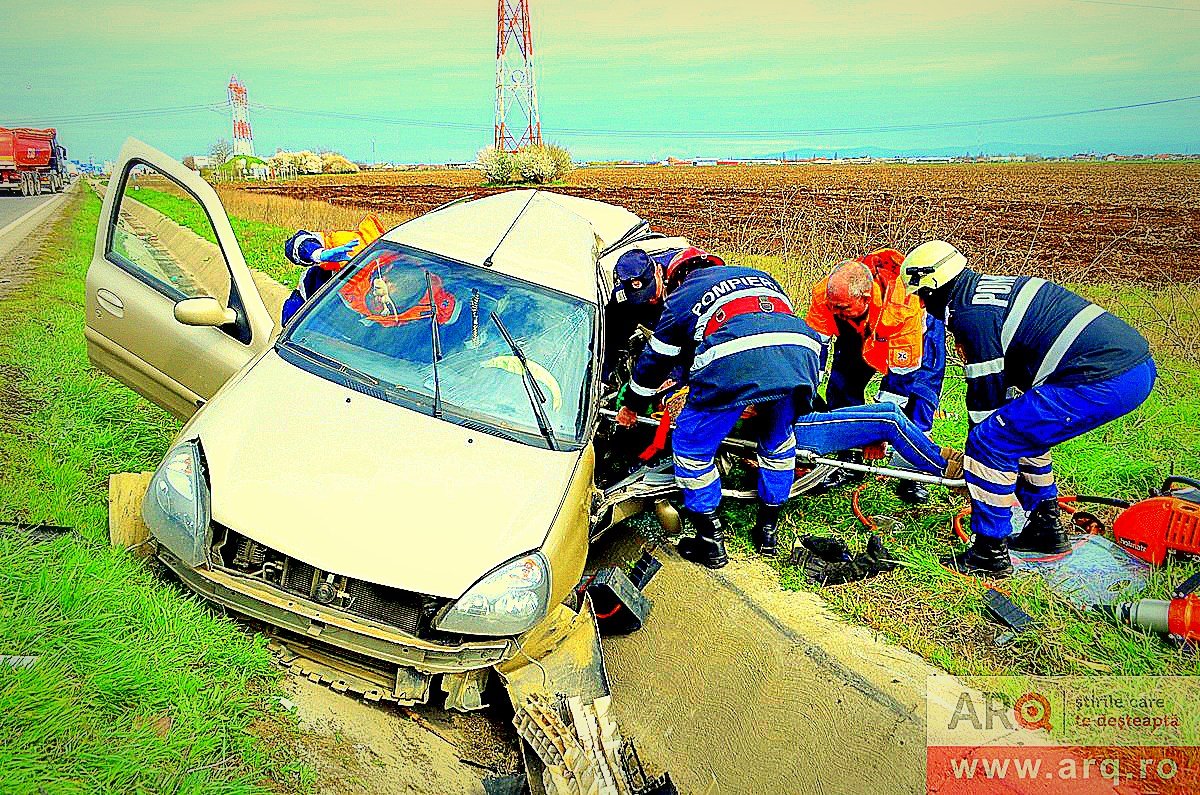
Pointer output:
x,y
306,249
636,300
735,329
1043,365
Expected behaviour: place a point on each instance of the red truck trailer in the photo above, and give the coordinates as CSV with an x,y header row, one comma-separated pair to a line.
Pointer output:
x,y
32,161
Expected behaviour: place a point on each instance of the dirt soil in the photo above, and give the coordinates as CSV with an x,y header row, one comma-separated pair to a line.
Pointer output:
x,y
1069,221
735,686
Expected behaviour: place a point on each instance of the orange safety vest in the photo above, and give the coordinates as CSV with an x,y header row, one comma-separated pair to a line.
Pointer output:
x,y
894,329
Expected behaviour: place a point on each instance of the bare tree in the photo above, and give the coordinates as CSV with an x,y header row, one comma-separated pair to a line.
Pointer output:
x,y
220,152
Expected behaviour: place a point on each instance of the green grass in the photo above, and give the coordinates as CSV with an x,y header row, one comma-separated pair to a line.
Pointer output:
x,y
261,244
137,688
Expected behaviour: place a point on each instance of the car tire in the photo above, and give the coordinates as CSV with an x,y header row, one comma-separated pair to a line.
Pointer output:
x,y
24,185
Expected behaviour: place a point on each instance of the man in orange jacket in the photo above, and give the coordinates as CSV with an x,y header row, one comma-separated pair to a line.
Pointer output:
x,y
880,328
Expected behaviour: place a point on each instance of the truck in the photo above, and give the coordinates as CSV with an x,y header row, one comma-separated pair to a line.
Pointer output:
x,y
32,161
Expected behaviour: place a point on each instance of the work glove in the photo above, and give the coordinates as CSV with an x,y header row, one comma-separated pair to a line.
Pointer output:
x,y
338,254
954,463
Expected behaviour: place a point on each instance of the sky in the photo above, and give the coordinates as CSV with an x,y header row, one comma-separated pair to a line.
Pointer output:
x,y
616,78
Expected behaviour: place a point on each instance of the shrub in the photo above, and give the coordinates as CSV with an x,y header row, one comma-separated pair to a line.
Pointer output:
x,y
497,166
535,164
562,160
333,163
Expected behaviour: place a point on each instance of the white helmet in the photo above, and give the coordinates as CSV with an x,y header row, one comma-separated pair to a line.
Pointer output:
x,y
932,265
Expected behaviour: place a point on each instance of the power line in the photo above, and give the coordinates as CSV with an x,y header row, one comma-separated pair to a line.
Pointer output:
x,y
120,115
1134,5
576,132
695,133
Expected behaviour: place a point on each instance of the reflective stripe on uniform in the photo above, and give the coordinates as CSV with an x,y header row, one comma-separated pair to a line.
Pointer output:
x,y
979,369
979,416
988,498
891,397
699,481
1039,479
638,389
1035,462
777,464
660,347
785,446
751,292
990,474
741,344
1066,338
1016,314
693,463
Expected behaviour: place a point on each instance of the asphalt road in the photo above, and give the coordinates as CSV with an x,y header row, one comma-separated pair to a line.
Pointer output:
x,y
13,207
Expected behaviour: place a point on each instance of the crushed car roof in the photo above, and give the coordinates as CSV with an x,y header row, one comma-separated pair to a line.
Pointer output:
x,y
543,237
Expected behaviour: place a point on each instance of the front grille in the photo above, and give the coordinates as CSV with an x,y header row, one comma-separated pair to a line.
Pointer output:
x,y
385,605
407,611
298,577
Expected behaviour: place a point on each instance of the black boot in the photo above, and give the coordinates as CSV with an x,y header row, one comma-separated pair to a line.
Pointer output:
x,y
912,492
764,533
707,546
841,477
1043,532
986,556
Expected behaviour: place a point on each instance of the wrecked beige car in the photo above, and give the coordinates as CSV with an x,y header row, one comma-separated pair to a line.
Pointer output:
x,y
406,472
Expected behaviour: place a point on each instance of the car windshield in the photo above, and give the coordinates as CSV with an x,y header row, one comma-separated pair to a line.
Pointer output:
x,y
374,326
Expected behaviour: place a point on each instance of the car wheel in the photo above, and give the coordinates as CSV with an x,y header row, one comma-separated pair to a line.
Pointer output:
x,y
24,186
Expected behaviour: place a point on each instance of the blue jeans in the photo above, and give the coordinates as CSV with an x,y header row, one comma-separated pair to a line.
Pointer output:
x,y
699,432
858,426
1007,458
917,393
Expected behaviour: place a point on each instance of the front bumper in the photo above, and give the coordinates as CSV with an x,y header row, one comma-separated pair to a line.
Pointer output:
x,y
333,627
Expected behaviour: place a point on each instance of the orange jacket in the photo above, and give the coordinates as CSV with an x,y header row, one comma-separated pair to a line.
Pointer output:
x,y
895,324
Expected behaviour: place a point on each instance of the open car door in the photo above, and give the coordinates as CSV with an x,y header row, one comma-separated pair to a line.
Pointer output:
x,y
172,309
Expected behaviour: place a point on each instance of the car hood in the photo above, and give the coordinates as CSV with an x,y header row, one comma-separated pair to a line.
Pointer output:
x,y
364,488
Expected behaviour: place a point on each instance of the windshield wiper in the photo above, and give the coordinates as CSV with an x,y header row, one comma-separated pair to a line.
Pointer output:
x,y
332,364
435,341
532,390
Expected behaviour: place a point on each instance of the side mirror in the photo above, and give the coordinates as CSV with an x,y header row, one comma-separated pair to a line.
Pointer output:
x,y
203,312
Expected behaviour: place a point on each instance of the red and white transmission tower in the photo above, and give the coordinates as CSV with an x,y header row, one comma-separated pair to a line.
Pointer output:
x,y
243,137
517,119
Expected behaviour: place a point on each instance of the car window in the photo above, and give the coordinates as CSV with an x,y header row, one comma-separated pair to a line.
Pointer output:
x,y
376,320
162,234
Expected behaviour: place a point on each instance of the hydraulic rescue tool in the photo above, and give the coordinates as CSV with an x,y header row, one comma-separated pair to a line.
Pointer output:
x,y
1178,617
1169,521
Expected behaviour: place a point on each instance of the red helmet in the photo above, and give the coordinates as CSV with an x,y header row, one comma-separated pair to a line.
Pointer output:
x,y
687,261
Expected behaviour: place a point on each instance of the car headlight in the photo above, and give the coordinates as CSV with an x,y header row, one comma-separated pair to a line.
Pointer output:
x,y
510,600
177,507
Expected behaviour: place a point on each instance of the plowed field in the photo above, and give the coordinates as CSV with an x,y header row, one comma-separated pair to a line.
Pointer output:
x,y
1072,221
